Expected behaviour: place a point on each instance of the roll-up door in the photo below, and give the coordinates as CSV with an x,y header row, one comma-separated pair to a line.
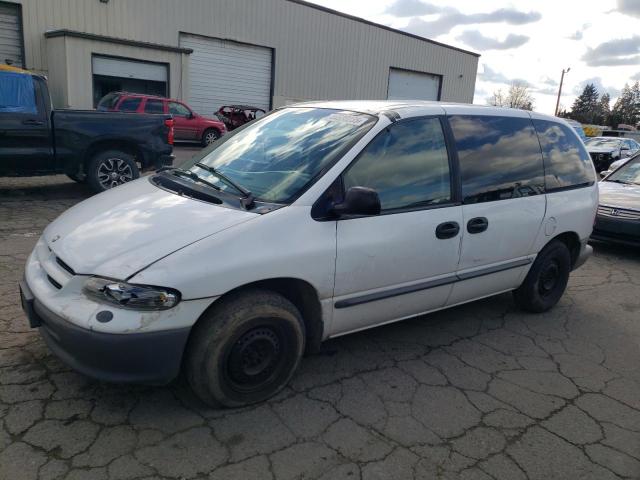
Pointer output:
x,y
408,85
222,72
10,35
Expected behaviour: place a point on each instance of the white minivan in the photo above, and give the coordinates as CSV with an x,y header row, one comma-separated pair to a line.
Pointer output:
x,y
317,220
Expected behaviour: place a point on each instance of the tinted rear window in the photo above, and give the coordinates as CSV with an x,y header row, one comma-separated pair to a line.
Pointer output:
x,y
566,162
130,104
499,157
154,106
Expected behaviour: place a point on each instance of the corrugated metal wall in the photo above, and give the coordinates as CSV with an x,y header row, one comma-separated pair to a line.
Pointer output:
x,y
318,55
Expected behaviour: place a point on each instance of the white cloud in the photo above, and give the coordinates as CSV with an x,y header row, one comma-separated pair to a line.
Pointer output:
x,y
476,40
622,51
629,7
450,17
411,8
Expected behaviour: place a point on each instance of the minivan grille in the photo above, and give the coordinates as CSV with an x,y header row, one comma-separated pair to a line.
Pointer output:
x,y
621,213
53,282
65,266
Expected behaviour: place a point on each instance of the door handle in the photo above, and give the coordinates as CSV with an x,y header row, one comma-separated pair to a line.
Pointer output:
x,y
32,122
477,225
447,230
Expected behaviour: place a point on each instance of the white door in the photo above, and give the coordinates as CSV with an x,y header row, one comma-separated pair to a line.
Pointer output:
x,y
391,266
408,85
222,72
10,35
503,202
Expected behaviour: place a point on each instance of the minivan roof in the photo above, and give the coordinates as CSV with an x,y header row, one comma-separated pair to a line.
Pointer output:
x,y
377,107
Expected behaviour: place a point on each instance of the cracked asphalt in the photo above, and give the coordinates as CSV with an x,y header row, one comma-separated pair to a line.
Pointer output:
x,y
481,391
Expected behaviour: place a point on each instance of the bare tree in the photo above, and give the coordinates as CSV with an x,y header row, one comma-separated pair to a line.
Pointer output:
x,y
518,96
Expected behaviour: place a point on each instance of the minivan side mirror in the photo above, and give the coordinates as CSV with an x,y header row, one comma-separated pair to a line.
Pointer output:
x,y
358,201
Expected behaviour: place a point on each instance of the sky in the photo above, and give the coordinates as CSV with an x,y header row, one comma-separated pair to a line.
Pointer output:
x,y
526,41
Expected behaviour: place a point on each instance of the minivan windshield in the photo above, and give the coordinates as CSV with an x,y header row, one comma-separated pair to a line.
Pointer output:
x,y
629,173
280,155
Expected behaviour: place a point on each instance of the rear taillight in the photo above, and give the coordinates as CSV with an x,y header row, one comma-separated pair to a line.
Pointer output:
x,y
170,133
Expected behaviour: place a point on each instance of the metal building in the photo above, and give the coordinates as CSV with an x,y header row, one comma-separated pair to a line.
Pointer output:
x,y
266,53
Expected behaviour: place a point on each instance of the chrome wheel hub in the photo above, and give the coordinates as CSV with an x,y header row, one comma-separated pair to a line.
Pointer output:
x,y
113,172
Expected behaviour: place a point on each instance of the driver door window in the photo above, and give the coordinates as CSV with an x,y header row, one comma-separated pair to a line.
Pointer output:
x,y
407,165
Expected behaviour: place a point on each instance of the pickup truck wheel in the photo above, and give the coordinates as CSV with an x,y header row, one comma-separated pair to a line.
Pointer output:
x,y
245,349
111,168
547,279
209,136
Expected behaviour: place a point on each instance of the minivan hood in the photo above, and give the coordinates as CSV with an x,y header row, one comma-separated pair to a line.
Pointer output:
x,y
619,195
121,231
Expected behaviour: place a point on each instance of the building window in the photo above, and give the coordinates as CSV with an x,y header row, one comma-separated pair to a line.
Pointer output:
x,y
111,74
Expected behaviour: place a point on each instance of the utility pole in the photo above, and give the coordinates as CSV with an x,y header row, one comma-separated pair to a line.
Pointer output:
x,y
560,89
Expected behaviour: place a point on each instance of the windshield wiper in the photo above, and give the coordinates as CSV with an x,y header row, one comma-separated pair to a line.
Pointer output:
x,y
189,174
247,196
619,181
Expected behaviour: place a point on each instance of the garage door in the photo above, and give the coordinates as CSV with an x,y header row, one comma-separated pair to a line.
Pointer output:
x,y
119,74
222,72
10,35
406,85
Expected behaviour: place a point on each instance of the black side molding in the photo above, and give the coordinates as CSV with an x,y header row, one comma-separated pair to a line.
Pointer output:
x,y
394,292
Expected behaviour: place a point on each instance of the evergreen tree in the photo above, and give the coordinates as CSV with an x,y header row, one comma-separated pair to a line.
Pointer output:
x,y
604,109
586,107
625,108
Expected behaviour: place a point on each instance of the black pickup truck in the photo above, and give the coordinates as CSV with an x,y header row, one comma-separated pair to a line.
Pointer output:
x,y
101,148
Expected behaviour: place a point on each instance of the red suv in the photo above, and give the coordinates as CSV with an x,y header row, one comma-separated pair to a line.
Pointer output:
x,y
189,126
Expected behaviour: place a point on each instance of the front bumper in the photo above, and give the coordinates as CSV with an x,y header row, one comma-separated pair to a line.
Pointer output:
x,y
616,230
131,346
150,357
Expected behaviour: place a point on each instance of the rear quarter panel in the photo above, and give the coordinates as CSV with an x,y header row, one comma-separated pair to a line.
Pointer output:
x,y
569,211
76,131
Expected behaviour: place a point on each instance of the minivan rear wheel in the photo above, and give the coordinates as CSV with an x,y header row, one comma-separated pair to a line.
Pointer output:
x,y
547,280
245,349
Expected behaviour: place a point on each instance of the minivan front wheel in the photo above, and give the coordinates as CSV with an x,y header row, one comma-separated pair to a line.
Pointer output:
x,y
547,280
245,350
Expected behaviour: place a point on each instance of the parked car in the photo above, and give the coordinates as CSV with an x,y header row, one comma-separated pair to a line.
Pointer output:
x,y
342,216
606,150
189,125
618,218
615,165
235,116
103,149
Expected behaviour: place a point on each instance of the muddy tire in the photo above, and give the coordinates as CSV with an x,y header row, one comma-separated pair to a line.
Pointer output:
x,y
547,280
245,349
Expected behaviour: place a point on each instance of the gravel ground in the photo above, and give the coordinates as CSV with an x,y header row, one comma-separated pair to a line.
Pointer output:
x,y
481,391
